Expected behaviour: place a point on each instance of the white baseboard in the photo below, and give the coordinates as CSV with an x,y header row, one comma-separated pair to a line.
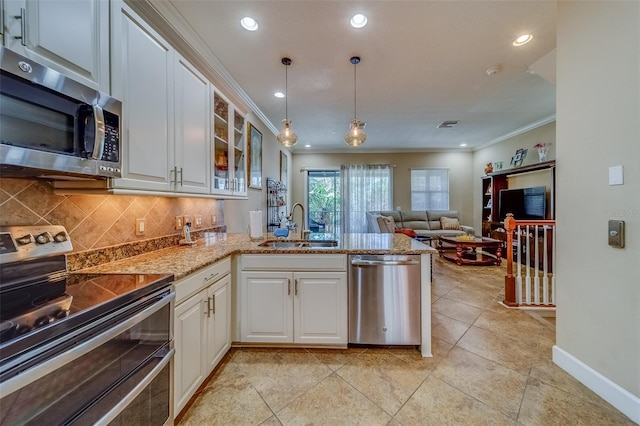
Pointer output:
x,y
614,394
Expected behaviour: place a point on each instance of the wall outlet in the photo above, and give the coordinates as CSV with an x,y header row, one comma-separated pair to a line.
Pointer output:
x,y
213,219
141,226
197,221
179,222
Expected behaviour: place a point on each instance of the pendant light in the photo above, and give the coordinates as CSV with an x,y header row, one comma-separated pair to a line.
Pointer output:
x,y
355,136
286,136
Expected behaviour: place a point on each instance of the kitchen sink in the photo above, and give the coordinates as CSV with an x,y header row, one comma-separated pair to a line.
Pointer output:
x,y
299,244
320,243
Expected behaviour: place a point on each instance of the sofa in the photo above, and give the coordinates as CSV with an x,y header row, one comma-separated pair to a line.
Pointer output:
x,y
422,223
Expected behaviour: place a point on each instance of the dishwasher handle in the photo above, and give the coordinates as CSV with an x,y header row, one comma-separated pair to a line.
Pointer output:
x,y
360,262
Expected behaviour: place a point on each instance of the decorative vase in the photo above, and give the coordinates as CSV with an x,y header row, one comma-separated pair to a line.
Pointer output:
x,y
542,154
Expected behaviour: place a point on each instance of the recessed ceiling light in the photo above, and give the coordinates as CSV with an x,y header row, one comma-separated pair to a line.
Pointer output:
x,y
279,95
358,20
307,146
249,23
463,144
522,40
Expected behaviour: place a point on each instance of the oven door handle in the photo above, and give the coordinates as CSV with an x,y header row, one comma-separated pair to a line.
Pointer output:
x,y
128,399
53,364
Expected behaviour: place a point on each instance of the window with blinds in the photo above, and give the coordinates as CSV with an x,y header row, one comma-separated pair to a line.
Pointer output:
x,y
430,189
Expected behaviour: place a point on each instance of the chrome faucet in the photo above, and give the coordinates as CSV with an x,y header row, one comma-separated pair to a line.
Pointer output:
x,y
304,233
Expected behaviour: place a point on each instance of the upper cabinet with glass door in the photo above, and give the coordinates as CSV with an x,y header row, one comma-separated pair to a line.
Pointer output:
x,y
71,37
239,153
228,177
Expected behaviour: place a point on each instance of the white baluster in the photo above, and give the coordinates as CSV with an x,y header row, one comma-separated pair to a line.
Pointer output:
x,y
519,271
536,280
527,280
553,266
545,277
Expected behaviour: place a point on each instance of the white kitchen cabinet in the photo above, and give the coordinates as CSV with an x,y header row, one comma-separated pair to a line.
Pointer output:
x,y
202,328
70,36
189,335
218,322
165,112
143,76
229,148
294,307
192,146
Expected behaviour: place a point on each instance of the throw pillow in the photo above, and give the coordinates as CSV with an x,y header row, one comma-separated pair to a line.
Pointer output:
x,y
449,223
407,231
387,224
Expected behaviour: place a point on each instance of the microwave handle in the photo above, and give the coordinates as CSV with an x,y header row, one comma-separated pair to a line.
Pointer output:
x,y
98,143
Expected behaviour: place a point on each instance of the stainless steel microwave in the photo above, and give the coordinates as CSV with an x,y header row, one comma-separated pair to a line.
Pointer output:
x,y
54,127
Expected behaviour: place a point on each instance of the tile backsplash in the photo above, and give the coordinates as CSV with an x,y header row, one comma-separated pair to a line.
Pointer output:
x,y
96,221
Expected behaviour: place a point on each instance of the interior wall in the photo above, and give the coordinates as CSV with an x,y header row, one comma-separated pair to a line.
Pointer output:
x,y
97,221
237,211
503,151
598,104
459,164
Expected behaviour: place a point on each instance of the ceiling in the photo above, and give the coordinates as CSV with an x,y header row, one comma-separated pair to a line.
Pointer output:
x,y
422,63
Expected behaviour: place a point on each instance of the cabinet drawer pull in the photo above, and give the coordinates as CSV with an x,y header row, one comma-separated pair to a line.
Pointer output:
x,y
296,287
213,304
210,277
288,286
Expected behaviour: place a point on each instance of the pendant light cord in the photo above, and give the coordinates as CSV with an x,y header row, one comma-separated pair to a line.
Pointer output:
x,y
355,89
286,92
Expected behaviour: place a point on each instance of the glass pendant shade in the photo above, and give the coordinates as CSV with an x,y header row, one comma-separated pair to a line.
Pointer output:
x,y
286,137
355,136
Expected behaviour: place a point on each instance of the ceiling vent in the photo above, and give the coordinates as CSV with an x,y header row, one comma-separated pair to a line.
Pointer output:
x,y
447,124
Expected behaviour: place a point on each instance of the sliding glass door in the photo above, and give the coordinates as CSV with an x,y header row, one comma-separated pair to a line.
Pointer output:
x,y
323,201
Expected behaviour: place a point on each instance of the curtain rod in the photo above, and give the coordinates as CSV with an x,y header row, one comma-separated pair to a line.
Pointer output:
x,y
305,168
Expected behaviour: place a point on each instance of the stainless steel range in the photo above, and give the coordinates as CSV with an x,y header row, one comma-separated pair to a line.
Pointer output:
x,y
76,348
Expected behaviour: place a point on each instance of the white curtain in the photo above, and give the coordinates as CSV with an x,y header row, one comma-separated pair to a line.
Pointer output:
x,y
364,188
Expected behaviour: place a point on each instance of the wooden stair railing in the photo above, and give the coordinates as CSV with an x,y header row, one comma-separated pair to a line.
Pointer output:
x,y
535,240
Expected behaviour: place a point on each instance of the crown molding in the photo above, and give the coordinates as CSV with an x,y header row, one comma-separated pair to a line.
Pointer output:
x,y
524,129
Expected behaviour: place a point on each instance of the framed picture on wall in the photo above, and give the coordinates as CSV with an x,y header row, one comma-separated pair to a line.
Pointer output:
x,y
284,167
254,168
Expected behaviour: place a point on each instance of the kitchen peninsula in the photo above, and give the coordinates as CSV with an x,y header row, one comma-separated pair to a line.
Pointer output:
x,y
183,261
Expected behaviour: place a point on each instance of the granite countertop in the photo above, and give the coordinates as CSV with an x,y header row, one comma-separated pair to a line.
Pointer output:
x,y
184,260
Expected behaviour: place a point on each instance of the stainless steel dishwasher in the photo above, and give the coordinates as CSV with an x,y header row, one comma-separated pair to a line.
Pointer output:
x,y
384,299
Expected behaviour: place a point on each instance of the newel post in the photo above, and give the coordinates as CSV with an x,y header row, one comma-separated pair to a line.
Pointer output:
x,y
510,279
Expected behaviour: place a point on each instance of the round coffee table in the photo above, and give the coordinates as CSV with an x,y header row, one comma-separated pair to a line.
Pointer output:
x,y
464,252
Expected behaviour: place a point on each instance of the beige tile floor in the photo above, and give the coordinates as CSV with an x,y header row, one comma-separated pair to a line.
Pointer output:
x,y
490,366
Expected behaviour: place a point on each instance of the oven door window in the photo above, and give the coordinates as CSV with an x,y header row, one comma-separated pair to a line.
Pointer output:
x,y
86,389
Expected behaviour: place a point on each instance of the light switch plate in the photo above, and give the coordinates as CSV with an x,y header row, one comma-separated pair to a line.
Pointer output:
x,y
616,233
140,226
616,175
